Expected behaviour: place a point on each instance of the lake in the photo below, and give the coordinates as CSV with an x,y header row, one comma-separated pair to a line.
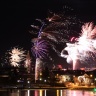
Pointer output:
x,y
47,92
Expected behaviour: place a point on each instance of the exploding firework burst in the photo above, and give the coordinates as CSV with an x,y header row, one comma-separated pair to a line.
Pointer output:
x,y
54,31
83,51
40,48
17,55
58,29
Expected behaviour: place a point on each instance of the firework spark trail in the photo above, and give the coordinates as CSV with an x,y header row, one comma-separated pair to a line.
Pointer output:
x,y
61,29
27,62
84,49
17,55
39,34
60,26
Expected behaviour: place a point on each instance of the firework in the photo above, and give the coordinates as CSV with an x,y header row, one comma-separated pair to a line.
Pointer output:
x,y
40,48
83,51
58,27
58,30
54,30
27,63
17,55
27,60
38,68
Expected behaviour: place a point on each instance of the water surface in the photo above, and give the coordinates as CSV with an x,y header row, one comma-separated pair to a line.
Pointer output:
x,y
45,92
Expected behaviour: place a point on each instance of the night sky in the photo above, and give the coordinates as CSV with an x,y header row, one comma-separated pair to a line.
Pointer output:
x,y
17,16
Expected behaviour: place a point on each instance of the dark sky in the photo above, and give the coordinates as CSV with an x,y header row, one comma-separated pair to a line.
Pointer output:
x,y
17,16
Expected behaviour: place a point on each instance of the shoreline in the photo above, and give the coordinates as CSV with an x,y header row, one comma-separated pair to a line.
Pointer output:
x,y
52,88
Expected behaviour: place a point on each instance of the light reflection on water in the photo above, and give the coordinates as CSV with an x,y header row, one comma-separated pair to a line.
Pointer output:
x,y
50,92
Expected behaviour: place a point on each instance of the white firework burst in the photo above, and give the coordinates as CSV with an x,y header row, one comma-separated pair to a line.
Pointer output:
x,y
83,51
17,55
